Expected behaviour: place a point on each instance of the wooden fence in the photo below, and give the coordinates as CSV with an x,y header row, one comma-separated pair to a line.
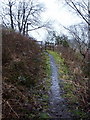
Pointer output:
x,y
46,45
49,46
40,44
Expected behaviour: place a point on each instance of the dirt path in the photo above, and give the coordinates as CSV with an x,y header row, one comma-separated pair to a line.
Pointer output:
x,y
58,107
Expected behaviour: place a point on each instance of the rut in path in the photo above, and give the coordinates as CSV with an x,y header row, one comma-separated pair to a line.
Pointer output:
x,y
58,107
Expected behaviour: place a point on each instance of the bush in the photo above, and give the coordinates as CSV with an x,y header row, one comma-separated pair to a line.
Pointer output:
x,y
21,58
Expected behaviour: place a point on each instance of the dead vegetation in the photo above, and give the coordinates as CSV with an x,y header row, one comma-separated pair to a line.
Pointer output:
x,y
22,71
79,79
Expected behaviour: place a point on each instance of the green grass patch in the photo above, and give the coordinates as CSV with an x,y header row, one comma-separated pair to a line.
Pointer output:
x,y
69,93
46,85
43,116
79,113
47,70
47,66
68,86
63,68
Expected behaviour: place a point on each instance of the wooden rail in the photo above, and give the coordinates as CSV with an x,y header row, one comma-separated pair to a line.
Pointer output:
x,y
49,46
41,44
46,46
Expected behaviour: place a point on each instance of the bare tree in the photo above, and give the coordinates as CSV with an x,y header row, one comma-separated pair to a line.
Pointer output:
x,y
79,35
11,14
82,8
7,14
21,13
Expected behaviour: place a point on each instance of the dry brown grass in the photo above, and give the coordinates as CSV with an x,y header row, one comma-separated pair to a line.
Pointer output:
x,y
75,63
21,57
22,68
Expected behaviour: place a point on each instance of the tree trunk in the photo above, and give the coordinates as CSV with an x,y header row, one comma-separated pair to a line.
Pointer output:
x,y
23,20
11,16
88,56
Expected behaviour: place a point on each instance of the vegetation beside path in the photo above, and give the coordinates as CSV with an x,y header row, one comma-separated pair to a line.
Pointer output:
x,y
66,80
25,91
26,79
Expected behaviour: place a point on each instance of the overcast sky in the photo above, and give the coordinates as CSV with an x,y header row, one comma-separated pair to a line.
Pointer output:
x,y
58,13
57,10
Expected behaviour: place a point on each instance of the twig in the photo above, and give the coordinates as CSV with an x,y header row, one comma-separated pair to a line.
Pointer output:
x,y
12,109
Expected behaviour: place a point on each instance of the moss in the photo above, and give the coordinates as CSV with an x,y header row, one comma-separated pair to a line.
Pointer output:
x,y
43,116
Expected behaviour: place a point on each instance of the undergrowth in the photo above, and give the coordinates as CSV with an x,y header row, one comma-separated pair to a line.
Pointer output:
x,y
70,90
25,91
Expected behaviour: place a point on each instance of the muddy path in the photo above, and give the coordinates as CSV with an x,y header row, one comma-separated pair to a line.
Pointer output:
x,y
58,106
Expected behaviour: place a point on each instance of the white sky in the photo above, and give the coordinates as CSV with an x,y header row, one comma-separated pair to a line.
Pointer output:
x,y
58,13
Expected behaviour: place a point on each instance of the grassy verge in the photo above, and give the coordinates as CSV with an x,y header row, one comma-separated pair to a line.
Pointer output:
x,y
68,86
25,91
46,87
63,69
40,92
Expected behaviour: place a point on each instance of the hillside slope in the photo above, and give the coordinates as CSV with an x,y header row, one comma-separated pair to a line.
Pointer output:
x,y
22,71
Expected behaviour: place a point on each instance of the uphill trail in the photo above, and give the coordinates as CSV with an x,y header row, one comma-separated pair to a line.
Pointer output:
x,y
58,106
